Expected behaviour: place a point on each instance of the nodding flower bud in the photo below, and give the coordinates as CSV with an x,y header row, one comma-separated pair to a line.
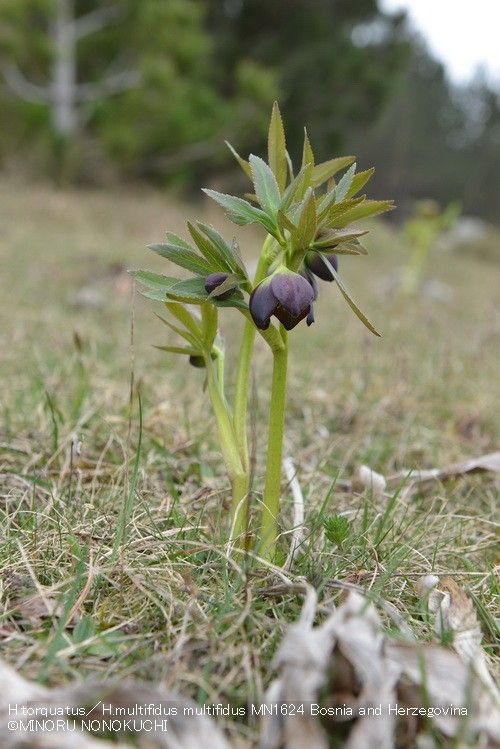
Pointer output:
x,y
197,361
286,295
315,264
212,283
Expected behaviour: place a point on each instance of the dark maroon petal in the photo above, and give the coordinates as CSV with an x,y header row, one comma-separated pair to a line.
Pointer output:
x,y
288,320
213,281
314,262
293,292
262,305
310,279
310,316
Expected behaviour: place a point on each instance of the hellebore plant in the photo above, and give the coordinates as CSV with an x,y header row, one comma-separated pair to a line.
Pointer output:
x,y
307,218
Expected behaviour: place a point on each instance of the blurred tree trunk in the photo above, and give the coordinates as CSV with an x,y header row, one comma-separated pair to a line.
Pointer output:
x,y
64,86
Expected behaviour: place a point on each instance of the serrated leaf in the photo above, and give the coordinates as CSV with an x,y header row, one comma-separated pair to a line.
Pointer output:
x,y
184,258
216,257
192,291
276,147
241,212
226,250
365,209
331,237
348,297
329,210
290,166
327,169
154,281
285,223
297,187
306,226
307,152
185,317
245,166
176,240
344,184
266,186
359,181
183,333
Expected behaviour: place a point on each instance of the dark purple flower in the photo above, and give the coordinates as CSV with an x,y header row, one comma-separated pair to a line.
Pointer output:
x,y
315,264
286,295
213,281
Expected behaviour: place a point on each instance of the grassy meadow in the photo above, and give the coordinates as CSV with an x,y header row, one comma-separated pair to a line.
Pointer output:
x,y
77,348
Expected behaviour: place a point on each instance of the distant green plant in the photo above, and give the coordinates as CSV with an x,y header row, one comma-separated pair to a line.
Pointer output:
x,y
307,218
422,230
337,529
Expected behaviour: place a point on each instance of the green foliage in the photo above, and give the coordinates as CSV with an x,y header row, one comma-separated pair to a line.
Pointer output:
x,y
337,529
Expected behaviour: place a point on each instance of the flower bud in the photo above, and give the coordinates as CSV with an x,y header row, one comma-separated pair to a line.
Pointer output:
x,y
197,361
286,295
213,281
315,264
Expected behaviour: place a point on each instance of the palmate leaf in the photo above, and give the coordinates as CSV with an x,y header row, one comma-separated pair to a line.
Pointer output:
x,y
306,226
359,181
276,147
331,237
329,210
154,281
194,341
266,186
345,183
186,318
192,291
297,187
348,297
241,212
328,169
228,251
183,257
365,209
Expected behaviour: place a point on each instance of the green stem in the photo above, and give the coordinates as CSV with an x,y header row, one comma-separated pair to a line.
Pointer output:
x,y
227,439
241,487
272,487
245,362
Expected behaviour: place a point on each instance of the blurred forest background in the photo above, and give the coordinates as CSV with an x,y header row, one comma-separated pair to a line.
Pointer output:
x,y
106,91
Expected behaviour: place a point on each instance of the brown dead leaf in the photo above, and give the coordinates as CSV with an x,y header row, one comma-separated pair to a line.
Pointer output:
x,y
455,617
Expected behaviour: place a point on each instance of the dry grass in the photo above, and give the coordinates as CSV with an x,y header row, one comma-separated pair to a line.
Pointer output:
x,y
170,607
